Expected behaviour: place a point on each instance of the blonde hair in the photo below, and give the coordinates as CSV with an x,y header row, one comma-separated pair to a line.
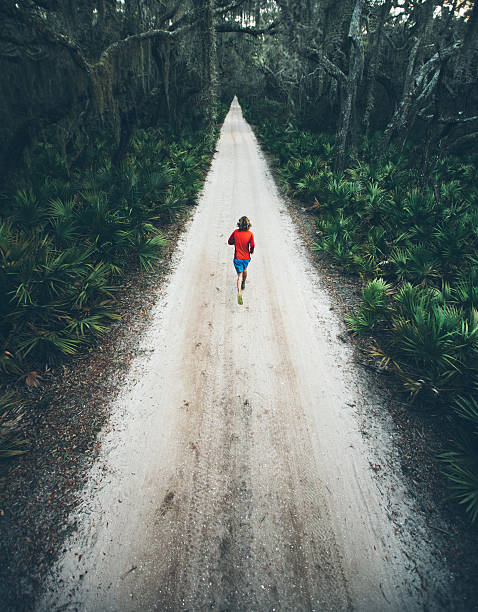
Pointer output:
x,y
243,224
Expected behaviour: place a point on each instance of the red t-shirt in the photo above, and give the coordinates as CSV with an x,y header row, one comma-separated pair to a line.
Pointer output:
x,y
244,244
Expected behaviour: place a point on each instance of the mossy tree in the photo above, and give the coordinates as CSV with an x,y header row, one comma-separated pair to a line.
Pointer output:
x,y
69,68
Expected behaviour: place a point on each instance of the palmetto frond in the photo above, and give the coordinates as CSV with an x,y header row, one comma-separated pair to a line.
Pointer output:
x,y
150,250
61,209
362,322
467,409
45,342
310,187
93,286
420,206
373,309
451,191
94,324
429,337
157,182
27,211
375,294
12,440
461,468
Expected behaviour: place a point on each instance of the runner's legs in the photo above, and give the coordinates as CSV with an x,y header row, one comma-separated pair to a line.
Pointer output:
x,y
239,281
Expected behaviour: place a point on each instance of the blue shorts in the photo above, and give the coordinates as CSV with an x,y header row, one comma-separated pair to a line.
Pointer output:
x,y
241,264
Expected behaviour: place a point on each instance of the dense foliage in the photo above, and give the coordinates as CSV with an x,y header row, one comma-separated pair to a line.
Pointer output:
x,y
67,238
69,67
400,69
415,246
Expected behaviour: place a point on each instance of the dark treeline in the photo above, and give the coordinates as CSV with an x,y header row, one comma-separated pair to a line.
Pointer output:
x,y
68,68
109,116
397,69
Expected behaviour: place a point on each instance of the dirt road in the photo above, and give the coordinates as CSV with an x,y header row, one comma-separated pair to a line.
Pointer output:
x,y
233,475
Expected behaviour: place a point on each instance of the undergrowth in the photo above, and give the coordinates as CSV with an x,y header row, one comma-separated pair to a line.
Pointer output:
x,y
68,236
414,241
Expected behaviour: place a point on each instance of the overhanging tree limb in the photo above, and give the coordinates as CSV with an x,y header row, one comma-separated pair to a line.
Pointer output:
x,y
447,120
319,56
120,44
190,18
222,10
237,27
418,90
54,37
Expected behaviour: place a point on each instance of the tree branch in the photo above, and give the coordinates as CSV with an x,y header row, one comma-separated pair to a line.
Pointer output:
x,y
119,44
229,7
463,140
188,18
56,38
429,87
330,67
447,120
438,58
237,27
172,12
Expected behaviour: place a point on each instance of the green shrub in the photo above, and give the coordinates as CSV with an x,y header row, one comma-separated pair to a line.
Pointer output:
x,y
416,241
12,440
374,308
461,464
67,235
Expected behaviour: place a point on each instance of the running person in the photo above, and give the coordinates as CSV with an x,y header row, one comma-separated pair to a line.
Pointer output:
x,y
243,241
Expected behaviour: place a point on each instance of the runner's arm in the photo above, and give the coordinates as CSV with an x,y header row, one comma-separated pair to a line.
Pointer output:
x,y
231,238
252,245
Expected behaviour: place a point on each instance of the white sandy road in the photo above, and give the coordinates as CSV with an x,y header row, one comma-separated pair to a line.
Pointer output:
x,y
233,476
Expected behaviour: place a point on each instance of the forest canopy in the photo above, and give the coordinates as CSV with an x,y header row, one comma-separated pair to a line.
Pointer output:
x,y
400,67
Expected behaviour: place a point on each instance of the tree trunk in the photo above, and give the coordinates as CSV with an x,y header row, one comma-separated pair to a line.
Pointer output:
x,y
207,42
351,84
418,90
463,69
257,14
375,64
126,132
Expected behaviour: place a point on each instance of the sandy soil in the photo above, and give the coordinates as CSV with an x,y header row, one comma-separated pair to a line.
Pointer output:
x,y
233,475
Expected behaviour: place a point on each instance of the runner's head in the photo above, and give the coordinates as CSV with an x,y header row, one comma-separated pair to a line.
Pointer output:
x,y
243,224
